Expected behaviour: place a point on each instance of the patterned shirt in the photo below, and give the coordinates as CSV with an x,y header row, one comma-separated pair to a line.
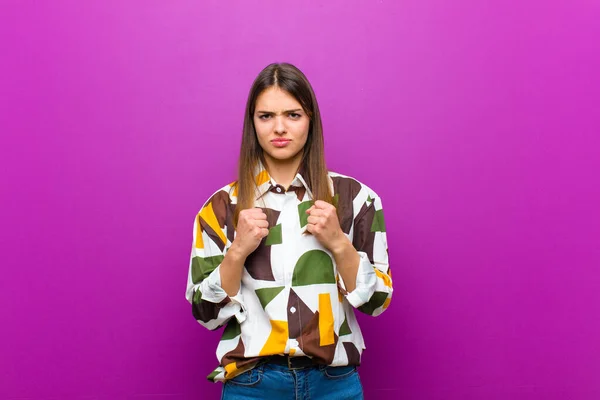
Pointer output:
x,y
291,299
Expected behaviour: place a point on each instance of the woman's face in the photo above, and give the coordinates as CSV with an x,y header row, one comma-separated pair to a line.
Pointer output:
x,y
281,126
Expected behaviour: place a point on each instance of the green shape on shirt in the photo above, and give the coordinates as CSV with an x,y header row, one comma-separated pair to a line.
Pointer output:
x,y
231,330
203,266
302,207
265,295
197,297
336,200
378,223
274,236
345,329
374,303
315,266
213,375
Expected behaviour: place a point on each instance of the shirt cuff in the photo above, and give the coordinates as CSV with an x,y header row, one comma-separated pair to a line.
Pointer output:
x,y
366,280
213,292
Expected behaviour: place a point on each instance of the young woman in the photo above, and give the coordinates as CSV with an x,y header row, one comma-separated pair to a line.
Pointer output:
x,y
284,255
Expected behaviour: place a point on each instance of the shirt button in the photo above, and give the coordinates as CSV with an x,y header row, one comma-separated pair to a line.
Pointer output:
x,y
278,189
293,310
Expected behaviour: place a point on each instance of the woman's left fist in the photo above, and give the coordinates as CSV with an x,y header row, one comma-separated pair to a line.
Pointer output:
x,y
324,225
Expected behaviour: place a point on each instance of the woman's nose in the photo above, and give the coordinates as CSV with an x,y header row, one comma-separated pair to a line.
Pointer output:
x,y
279,125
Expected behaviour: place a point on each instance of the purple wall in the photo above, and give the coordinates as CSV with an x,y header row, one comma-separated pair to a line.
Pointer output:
x,y
477,122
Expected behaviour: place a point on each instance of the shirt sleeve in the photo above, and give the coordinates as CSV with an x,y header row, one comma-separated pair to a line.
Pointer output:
x,y
373,292
211,306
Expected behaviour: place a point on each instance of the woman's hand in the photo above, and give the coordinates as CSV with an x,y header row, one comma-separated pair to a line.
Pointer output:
x,y
252,227
324,225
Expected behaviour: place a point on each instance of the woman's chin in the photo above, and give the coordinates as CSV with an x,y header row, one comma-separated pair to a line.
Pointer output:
x,y
283,156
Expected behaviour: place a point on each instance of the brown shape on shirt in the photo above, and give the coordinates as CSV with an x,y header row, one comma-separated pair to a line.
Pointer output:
x,y
347,189
300,192
302,314
237,355
309,342
212,234
363,236
206,311
352,353
220,203
258,263
229,222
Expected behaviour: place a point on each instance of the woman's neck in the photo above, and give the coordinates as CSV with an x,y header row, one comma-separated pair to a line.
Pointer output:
x,y
283,171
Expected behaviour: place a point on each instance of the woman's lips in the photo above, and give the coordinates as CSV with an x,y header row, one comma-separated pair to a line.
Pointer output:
x,y
280,142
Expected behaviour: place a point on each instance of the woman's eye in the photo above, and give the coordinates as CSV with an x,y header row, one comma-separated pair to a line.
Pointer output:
x,y
264,117
295,115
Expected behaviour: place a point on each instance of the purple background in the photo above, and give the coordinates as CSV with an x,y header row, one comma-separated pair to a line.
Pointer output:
x,y
477,122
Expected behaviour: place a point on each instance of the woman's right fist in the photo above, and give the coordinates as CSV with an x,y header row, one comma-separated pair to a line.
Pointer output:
x,y
252,227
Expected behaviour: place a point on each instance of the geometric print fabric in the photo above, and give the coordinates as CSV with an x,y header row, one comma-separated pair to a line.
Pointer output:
x,y
290,285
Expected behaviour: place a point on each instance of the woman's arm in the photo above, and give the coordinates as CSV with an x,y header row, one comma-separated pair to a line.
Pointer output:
x,y
252,228
363,264
373,292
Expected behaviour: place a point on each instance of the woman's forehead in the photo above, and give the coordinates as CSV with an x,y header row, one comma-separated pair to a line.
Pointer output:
x,y
276,99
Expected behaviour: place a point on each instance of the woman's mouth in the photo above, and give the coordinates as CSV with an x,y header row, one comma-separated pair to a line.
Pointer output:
x,y
280,142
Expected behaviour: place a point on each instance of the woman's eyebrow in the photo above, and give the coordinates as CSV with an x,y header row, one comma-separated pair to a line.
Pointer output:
x,y
283,112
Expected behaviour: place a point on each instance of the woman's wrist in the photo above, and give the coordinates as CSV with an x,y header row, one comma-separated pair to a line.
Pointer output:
x,y
236,253
342,247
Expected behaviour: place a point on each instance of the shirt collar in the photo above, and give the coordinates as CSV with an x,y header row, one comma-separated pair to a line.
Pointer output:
x,y
265,182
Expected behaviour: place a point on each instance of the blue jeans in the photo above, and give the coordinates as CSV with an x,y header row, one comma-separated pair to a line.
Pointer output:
x,y
274,381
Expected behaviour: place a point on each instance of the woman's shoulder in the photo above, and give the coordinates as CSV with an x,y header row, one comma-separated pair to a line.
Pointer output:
x,y
345,184
224,196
